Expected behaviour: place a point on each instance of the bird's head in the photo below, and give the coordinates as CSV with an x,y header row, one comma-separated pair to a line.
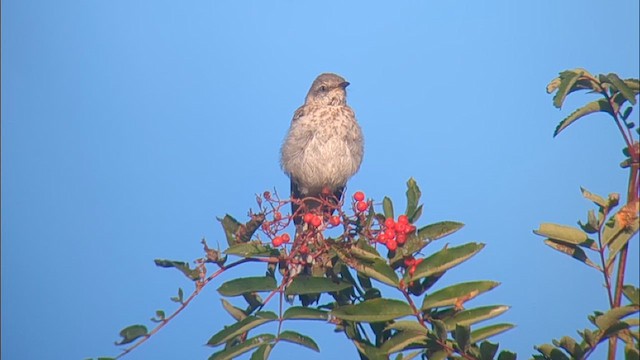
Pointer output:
x,y
328,89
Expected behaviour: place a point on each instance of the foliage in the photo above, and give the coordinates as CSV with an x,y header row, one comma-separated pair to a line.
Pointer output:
x,y
366,274
602,240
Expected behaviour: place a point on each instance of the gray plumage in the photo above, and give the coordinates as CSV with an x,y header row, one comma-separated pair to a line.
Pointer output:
x,y
324,146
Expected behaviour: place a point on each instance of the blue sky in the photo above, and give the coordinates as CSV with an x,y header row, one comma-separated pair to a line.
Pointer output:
x,y
129,126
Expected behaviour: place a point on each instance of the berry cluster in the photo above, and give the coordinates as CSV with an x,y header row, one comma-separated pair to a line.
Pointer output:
x,y
394,233
281,239
361,205
411,263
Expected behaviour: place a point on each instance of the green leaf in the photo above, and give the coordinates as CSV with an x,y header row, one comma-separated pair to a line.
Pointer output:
x,y
262,353
457,293
597,199
241,286
314,285
230,225
622,87
570,346
565,234
567,80
407,326
377,269
413,196
180,298
370,352
424,236
472,316
402,341
506,355
444,259
131,333
551,352
489,331
375,310
253,248
612,317
631,353
387,208
305,313
571,250
632,293
440,328
237,313
244,325
488,350
297,338
234,351
193,274
601,105
462,334
160,316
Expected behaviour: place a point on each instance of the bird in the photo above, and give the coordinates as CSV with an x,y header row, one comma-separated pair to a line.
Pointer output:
x,y
324,145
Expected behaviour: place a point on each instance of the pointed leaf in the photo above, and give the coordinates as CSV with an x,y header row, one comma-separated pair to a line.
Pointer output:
x,y
597,199
622,87
237,313
377,269
297,338
241,286
370,352
457,294
462,334
407,326
613,316
131,333
413,196
506,355
444,259
567,80
489,331
230,225
472,316
252,343
424,236
262,353
601,105
572,250
488,350
632,293
403,340
244,325
305,313
315,285
566,234
375,310
387,208
193,274
253,248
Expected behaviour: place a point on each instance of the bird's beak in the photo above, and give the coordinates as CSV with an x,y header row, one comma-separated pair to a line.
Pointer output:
x,y
344,84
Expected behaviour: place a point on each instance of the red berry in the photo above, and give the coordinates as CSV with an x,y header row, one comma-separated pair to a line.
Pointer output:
x,y
361,206
334,220
391,234
403,219
382,238
410,229
401,228
285,238
401,238
409,261
390,224
392,245
304,249
308,217
277,241
277,216
412,269
358,196
316,221
418,261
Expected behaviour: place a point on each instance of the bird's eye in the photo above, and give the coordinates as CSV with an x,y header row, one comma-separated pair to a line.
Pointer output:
x,y
322,88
